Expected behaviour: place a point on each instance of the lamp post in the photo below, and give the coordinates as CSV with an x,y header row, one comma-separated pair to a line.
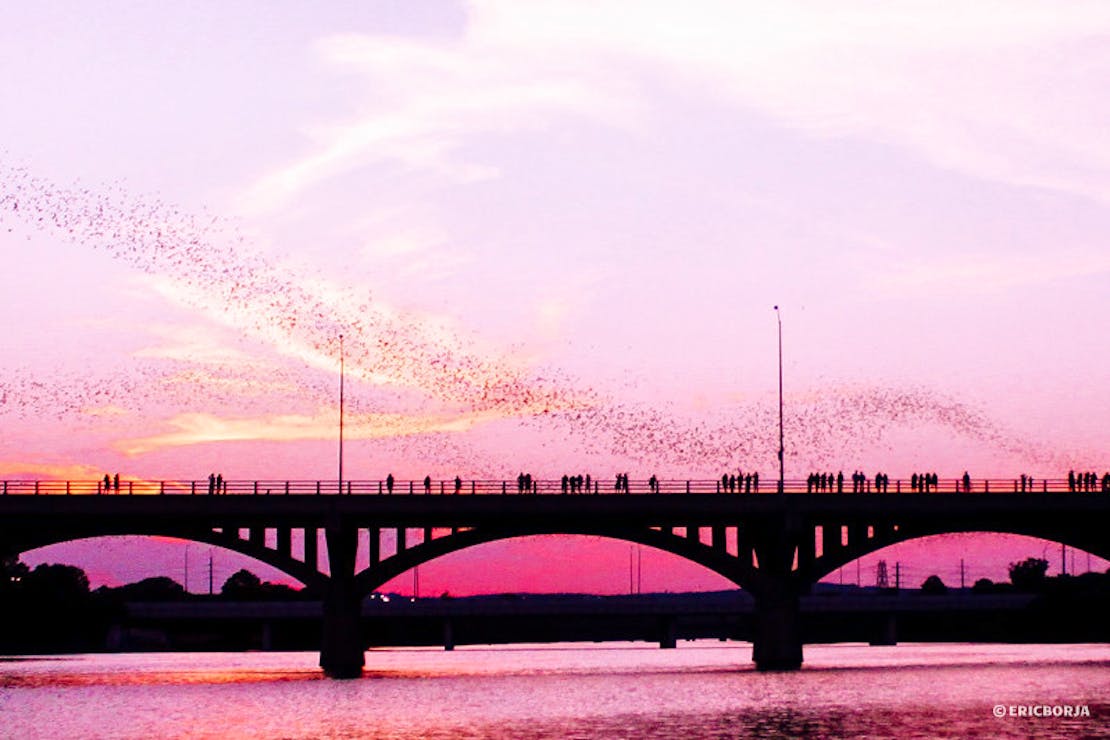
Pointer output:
x,y
782,463
341,373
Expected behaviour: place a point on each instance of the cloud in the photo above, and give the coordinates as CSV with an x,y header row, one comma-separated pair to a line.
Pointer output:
x,y
201,428
979,273
1007,91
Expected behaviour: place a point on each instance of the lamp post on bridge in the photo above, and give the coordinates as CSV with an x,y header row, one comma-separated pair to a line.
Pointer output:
x,y
341,373
782,462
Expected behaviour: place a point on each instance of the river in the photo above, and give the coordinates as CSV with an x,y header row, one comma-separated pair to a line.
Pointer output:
x,y
623,690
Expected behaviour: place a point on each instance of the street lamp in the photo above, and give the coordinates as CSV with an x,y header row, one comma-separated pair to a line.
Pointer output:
x,y
341,373
782,463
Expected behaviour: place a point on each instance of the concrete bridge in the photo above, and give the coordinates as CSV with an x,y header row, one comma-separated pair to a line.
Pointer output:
x,y
773,545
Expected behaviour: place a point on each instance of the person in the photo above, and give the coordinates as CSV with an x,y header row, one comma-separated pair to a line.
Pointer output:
x,y
840,481
724,483
458,484
565,482
220,483
115,483
107,483
755,481
427,484
1071,480
967,482
211,484
587,483
389,483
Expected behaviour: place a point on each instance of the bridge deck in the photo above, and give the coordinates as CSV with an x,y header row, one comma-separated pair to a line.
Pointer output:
x,y
546,487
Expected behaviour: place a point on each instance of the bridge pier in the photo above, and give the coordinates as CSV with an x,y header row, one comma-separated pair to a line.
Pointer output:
x,y
776,589
777,642
886,632
342,652
668,633
448,634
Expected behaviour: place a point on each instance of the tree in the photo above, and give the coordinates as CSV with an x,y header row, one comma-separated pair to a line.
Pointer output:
x,y
12,573
1029,574
933,586
56,584
242,584
983,586
159,588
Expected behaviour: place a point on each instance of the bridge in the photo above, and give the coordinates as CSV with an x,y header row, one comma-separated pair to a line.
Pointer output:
x,y
773,545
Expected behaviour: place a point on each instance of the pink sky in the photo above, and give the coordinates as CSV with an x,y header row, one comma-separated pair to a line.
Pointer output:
x,y
552,234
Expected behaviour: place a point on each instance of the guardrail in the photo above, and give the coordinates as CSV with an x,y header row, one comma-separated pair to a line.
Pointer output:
x,y
546,487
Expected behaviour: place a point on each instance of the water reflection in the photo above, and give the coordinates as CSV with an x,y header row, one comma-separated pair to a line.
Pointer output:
x,y
699,690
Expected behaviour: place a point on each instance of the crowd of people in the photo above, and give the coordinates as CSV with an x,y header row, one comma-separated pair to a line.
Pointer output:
x,y
576,483
821,482
1088,482
740,483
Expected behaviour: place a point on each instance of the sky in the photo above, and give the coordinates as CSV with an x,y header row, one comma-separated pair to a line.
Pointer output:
x,y
551,235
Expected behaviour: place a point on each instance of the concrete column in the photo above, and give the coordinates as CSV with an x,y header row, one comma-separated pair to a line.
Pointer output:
x,y
342,651
448,635
668,633
777,638
777,643
886,632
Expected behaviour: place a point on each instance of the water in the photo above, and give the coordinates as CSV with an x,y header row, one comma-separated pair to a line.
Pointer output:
x,y
704,689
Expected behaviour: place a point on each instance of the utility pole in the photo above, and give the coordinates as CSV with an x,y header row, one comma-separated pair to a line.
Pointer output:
x,y
631,589
639,570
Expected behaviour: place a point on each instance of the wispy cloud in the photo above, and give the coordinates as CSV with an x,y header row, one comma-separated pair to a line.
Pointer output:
x,y
979,273
202,428
990,89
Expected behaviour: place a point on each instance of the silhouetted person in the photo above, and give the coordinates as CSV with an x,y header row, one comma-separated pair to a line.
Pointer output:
x,y
107,483
755,482
528,483
211,484
115,483
840,482
389,483
1071,480
427,484
967,482
458,484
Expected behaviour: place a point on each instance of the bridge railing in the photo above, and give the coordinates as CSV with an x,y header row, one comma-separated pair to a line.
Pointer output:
x,y
545,487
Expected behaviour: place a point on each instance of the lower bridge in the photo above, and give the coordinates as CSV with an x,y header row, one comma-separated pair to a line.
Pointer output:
x,y
665,619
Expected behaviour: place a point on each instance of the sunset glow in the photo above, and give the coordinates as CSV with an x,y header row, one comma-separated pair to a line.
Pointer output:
x,y
551,235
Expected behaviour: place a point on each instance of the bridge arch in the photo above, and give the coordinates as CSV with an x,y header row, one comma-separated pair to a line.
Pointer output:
x,y
288,565
716,560
829,563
